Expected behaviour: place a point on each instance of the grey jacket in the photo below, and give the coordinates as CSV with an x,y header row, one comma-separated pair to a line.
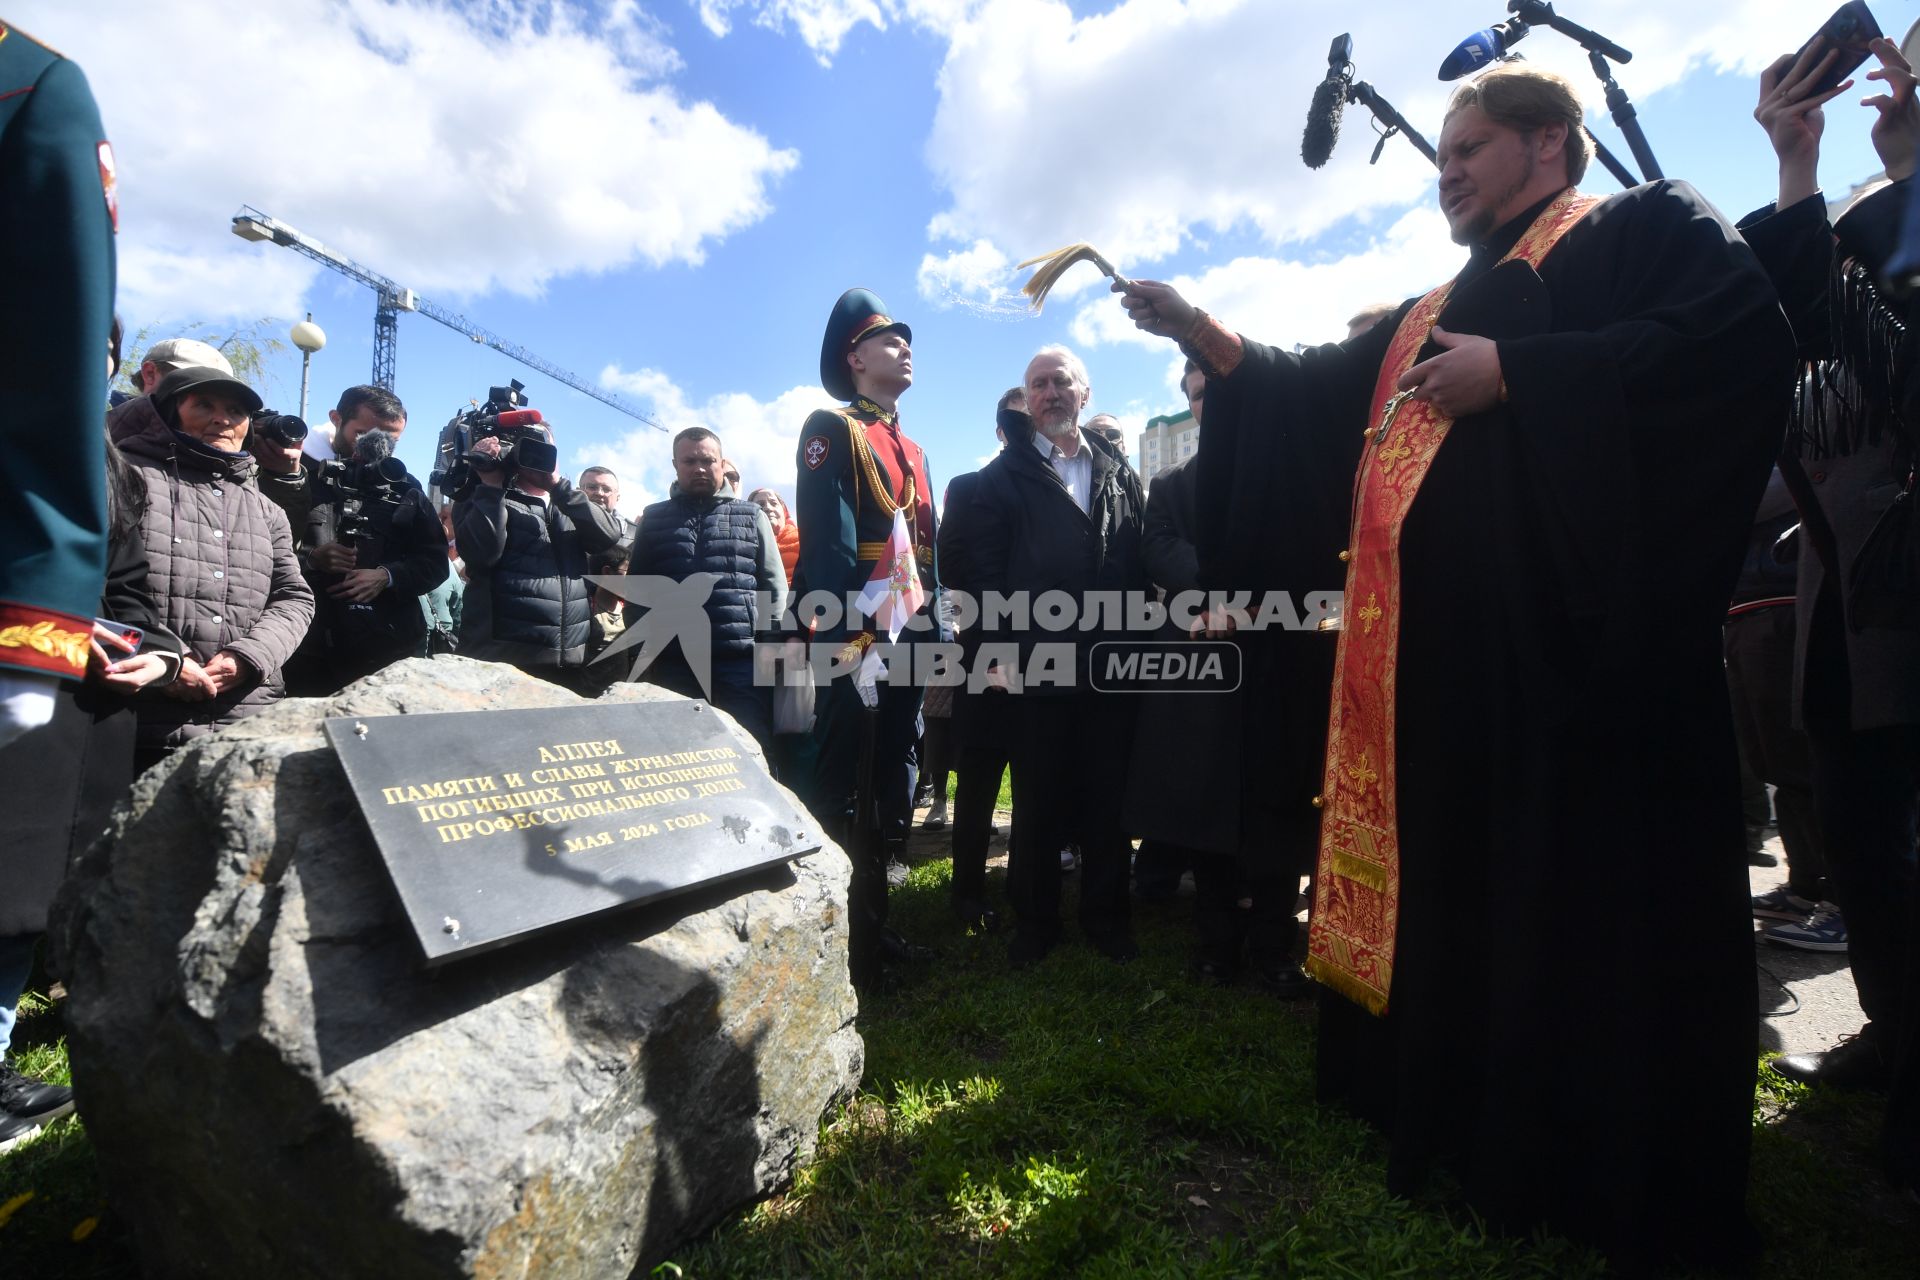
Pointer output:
x,y
221,567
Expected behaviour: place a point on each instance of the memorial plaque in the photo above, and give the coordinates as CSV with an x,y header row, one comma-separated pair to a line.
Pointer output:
x,y
496,825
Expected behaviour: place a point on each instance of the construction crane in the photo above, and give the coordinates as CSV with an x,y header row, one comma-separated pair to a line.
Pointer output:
x,y
390,300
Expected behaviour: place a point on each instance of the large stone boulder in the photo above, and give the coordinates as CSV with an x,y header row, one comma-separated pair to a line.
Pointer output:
x,y
275,1086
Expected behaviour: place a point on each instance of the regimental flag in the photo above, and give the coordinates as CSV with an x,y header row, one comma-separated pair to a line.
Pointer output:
x,y
893,594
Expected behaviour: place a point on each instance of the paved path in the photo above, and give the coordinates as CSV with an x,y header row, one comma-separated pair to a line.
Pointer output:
x,y
1821,981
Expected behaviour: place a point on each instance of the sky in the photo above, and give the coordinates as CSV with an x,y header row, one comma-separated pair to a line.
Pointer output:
x,y
666,197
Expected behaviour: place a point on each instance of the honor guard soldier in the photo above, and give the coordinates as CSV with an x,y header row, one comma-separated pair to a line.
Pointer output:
x,y
56,307
56,311
856,468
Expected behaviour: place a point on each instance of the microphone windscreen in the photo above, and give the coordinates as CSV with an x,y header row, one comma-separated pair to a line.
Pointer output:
x,y
373,445
1323,122
1471,54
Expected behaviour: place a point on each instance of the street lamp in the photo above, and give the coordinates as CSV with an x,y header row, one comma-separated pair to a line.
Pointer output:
x,y
309,337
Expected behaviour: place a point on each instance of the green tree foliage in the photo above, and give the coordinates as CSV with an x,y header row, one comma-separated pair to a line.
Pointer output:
x,y
247,348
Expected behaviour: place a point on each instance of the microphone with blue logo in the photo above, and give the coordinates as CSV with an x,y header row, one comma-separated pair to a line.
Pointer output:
x,y
1491,44
1483,48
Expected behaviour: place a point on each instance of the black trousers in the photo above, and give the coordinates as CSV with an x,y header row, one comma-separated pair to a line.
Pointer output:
x,y
1866,786
839,729
1066,751
979,735
1759,653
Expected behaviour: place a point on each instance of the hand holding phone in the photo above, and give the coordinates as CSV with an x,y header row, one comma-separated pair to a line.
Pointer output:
x,y
1848,33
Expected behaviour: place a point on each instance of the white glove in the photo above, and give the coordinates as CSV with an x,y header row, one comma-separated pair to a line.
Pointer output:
x,y
26,702
866,680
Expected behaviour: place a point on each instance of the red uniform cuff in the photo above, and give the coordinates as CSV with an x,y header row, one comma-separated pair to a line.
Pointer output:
x,y
44,640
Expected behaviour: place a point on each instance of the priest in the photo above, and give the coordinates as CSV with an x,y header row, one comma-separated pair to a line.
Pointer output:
x,y
1538,477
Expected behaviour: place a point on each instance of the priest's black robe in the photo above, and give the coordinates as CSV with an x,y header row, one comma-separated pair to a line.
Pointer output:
x,y
1572,1022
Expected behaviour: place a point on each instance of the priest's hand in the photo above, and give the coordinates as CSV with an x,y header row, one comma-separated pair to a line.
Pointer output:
x,y
1155,307
1790,112
1464,379
1896,130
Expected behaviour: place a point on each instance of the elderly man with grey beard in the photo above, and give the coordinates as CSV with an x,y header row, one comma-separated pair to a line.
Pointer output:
x,y
1059,511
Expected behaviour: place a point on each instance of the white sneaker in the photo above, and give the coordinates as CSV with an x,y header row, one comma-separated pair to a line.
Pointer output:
x,y
936,816
1069,860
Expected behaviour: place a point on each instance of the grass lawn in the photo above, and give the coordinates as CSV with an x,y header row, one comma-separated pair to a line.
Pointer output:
x,y
1087,1119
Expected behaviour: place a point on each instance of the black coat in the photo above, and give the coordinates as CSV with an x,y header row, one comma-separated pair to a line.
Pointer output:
x,y
1844,465
1024,533
1564,577
1185,782
979,716
406,539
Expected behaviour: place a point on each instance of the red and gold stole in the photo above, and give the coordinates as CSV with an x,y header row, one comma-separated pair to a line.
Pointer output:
x,y
1356,900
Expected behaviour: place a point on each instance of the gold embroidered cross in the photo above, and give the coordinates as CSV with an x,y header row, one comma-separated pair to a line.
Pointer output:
x,y
1371,611
1362,773
1394,454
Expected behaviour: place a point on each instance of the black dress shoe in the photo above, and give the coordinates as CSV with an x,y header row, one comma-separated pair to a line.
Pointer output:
x,y
1854,1063
1283,980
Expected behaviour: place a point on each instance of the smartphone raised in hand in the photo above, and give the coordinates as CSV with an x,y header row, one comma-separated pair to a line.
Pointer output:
x,y
1850,30
126,631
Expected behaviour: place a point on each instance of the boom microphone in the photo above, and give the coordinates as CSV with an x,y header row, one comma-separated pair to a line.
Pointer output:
x,y
1323,122
1482,48
1329,99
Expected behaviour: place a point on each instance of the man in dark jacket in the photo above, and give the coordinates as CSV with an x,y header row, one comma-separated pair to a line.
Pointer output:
x,y
981,734
371,546
1059,511
1851,456
1208,769
525,540
700,529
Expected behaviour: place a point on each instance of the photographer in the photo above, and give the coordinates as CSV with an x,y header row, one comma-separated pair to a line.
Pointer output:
x,y
370,544
526,535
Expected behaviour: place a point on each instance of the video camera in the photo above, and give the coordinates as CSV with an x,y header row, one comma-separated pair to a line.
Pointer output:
x,y
523,440
368,490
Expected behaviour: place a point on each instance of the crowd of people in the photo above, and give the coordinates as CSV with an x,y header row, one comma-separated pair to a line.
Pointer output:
x,y
1678,466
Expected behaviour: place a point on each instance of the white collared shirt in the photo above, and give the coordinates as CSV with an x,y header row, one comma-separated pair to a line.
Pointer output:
x,y
1076,473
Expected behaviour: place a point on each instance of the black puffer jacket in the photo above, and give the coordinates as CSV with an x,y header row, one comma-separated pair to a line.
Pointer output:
x,y
220,565
528,601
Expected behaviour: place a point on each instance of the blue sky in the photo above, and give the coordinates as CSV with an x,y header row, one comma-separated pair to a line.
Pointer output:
x,y
666,197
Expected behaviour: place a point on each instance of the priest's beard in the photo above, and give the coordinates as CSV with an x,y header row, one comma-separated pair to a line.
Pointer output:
x,y
1487,220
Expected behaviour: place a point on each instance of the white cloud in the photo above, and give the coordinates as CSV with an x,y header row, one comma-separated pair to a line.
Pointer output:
x,y
823,24
760,437
1157,122
456,149
1283,302
980,273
